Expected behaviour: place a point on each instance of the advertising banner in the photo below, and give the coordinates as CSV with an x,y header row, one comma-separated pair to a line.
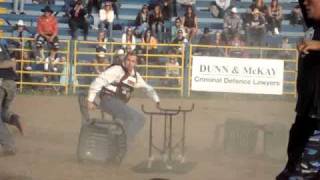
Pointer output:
x,y
237,75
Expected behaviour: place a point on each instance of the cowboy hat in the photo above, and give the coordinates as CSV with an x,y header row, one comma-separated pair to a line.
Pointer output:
x,y
47,9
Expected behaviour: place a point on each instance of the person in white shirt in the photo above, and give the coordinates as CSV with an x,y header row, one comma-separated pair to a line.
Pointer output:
x,y
116,85
128,37
106,16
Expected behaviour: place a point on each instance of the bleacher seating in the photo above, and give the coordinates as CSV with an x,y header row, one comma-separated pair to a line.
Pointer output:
x,y
129,10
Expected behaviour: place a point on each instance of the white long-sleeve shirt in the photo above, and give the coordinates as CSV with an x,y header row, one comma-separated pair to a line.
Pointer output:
x,y
108,16
114,75
124,40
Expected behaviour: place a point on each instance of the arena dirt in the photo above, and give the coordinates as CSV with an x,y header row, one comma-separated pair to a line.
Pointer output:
x,y
52,124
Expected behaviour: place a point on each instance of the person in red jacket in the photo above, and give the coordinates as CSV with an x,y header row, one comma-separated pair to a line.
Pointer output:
x,y
47,31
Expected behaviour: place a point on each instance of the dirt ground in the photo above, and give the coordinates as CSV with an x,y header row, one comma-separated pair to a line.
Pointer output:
x,y
47,151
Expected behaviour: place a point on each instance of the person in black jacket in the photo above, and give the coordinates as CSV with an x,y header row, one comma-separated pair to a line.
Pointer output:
x,y
78,20
7,94
308,89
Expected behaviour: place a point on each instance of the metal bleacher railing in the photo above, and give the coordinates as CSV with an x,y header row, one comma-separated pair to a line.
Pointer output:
x,y
31,71
77,70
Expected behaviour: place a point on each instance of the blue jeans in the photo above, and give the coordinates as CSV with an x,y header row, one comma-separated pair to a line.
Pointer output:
x,y
133,121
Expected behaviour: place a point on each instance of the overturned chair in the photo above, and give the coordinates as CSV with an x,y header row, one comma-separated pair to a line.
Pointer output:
x,y
101,139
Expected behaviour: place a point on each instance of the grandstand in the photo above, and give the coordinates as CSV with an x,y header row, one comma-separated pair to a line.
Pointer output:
x,y
129,10
79,54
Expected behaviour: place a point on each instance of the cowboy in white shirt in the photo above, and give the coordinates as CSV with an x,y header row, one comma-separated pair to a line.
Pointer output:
x,y
116,85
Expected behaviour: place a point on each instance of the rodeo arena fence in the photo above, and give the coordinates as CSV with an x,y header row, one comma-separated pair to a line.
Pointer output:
x,y
181,68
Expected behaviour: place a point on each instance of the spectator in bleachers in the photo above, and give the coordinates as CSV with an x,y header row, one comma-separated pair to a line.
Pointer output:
x,y
218,41
115,7
219,8
18,5
152,47
20,31
180,39
258,4
102,41
232,24
172,70
96,4
205,39
128,37
157,22
78,20
47,31
190,22
184,4
142,21
178,26
236,50
296,16
166,6
255,28
53,65
106,16
274,17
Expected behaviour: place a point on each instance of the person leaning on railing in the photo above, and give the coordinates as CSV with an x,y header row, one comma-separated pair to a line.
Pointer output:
x,y
308,88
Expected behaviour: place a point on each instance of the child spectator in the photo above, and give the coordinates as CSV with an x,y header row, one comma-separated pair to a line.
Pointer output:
x,y
20,31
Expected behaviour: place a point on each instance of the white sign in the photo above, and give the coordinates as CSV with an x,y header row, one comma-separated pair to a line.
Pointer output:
x,y
237,75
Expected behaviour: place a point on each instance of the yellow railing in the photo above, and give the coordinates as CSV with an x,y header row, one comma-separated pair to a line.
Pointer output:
x,y
26,62
152,65
290,72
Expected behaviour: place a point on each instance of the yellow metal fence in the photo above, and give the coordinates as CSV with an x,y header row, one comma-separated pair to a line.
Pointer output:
x,y
30,68
153,63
